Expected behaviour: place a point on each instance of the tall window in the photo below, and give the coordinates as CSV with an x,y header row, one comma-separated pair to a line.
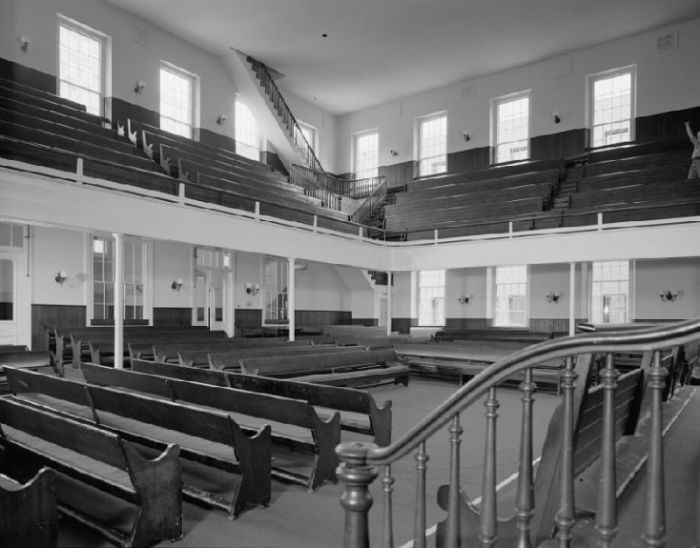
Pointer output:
x,y
612,96
276,280
247,136
310,133
431,304
176,100
512,128
511,296
366,155
432,145
103,279
81,65
610,292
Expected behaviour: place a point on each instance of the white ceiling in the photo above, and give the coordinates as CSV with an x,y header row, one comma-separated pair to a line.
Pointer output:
x,y
379,50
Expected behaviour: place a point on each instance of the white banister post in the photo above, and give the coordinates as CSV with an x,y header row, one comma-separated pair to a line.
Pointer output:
x,y
291,298
572,298
79,170
230,297
118,300
388,302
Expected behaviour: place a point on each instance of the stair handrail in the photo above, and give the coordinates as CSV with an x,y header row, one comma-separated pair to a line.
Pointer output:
x,y
304,178
370,204
359,460
352,188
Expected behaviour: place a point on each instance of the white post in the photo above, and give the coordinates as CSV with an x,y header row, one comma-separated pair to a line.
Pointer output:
x,y
118,301
388,303
291,298
572,298
230,298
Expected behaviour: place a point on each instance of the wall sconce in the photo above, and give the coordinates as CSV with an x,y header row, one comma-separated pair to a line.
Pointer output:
x,y
556,117
464,299
394,152
670,296
61,277
221,119
139,87
466,136
553,297
176,285
252,289
23,43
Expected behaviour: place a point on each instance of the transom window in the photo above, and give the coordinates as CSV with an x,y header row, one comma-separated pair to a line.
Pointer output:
x,y
511,296
612,97
247,135
610,292
431,304
432,145
176,100
512,128
366,155
81,65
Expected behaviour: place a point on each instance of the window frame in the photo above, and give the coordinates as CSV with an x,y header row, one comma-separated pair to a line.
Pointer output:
x,y
365,173
192,80
628,294
495,121
420,121
591,79
526,298
104,44
258,136
313,131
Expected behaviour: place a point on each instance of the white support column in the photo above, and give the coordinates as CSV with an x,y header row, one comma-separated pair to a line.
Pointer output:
x,y
229,297
572,298
291,298
118,301
388,302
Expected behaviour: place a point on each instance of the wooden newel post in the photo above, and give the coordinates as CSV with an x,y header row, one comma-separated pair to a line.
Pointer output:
x,y
356,499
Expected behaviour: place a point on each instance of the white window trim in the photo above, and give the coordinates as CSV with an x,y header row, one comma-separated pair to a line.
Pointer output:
x,y
494,296
105,55
353,155
417,135
194,109
631,288
495,101
590,81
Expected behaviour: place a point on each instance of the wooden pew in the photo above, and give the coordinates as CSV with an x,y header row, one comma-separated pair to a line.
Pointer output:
x,y
295,424
360,368
229,360
501,334
28,516
203,435
345,400
86,455
168,352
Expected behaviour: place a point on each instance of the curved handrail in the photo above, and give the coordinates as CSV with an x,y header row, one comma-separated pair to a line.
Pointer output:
x,y
645,339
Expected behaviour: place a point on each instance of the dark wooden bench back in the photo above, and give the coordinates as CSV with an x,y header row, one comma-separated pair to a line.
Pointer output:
x,y
297,365
230,359
169,351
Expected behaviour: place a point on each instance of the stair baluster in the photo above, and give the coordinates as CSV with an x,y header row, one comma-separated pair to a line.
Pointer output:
x,y
419,539
525,497
489,525
606,518
565,518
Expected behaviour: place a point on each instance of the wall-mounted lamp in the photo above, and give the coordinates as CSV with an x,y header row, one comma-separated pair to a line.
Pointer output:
x,y
553,297
252,289
556,117
61,277
221,119
139,87
394,152
464,299
176,285
670,296
466,136
23,43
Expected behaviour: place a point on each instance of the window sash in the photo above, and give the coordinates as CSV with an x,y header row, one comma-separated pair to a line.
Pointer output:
x,y
176,101
366,155
431,300
511,296
246,132
432,145
81,66
512,128
612,109
610,292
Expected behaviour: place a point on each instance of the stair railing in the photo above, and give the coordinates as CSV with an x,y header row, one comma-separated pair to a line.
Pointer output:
x,y
370,205
362,462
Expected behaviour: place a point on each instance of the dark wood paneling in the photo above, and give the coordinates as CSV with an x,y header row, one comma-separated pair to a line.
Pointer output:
x,y
559,145
403,325
469,160
172,316
317,318
467,323
27,76
399,174
119,110
55,315
367,322
248,318
552,325
272,159
665,320
667,126
214,139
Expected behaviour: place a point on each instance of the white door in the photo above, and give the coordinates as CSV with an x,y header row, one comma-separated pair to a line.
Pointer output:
x,y
15,310
209,299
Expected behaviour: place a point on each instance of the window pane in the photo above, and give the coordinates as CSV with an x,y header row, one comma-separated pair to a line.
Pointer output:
x,y
247,135
612,109
432,147
175,102
511,296
610,292
80,67
366,155
512,129
431,303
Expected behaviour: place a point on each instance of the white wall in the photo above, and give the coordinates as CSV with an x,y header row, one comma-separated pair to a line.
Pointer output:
x,y
666,80
54,249
319,287
173,261
462,282
676,275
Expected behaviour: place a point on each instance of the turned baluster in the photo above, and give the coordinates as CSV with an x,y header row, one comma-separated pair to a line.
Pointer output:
x,y
356,474
387,486
489,527
565,516
525,498
419,539
453,529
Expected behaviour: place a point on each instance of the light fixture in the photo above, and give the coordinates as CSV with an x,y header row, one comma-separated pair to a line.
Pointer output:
x,y
24,43
252,289
394,152
466,136
61,277
221,119
139,87
670,296
556,117
176,285
553,297
464,299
